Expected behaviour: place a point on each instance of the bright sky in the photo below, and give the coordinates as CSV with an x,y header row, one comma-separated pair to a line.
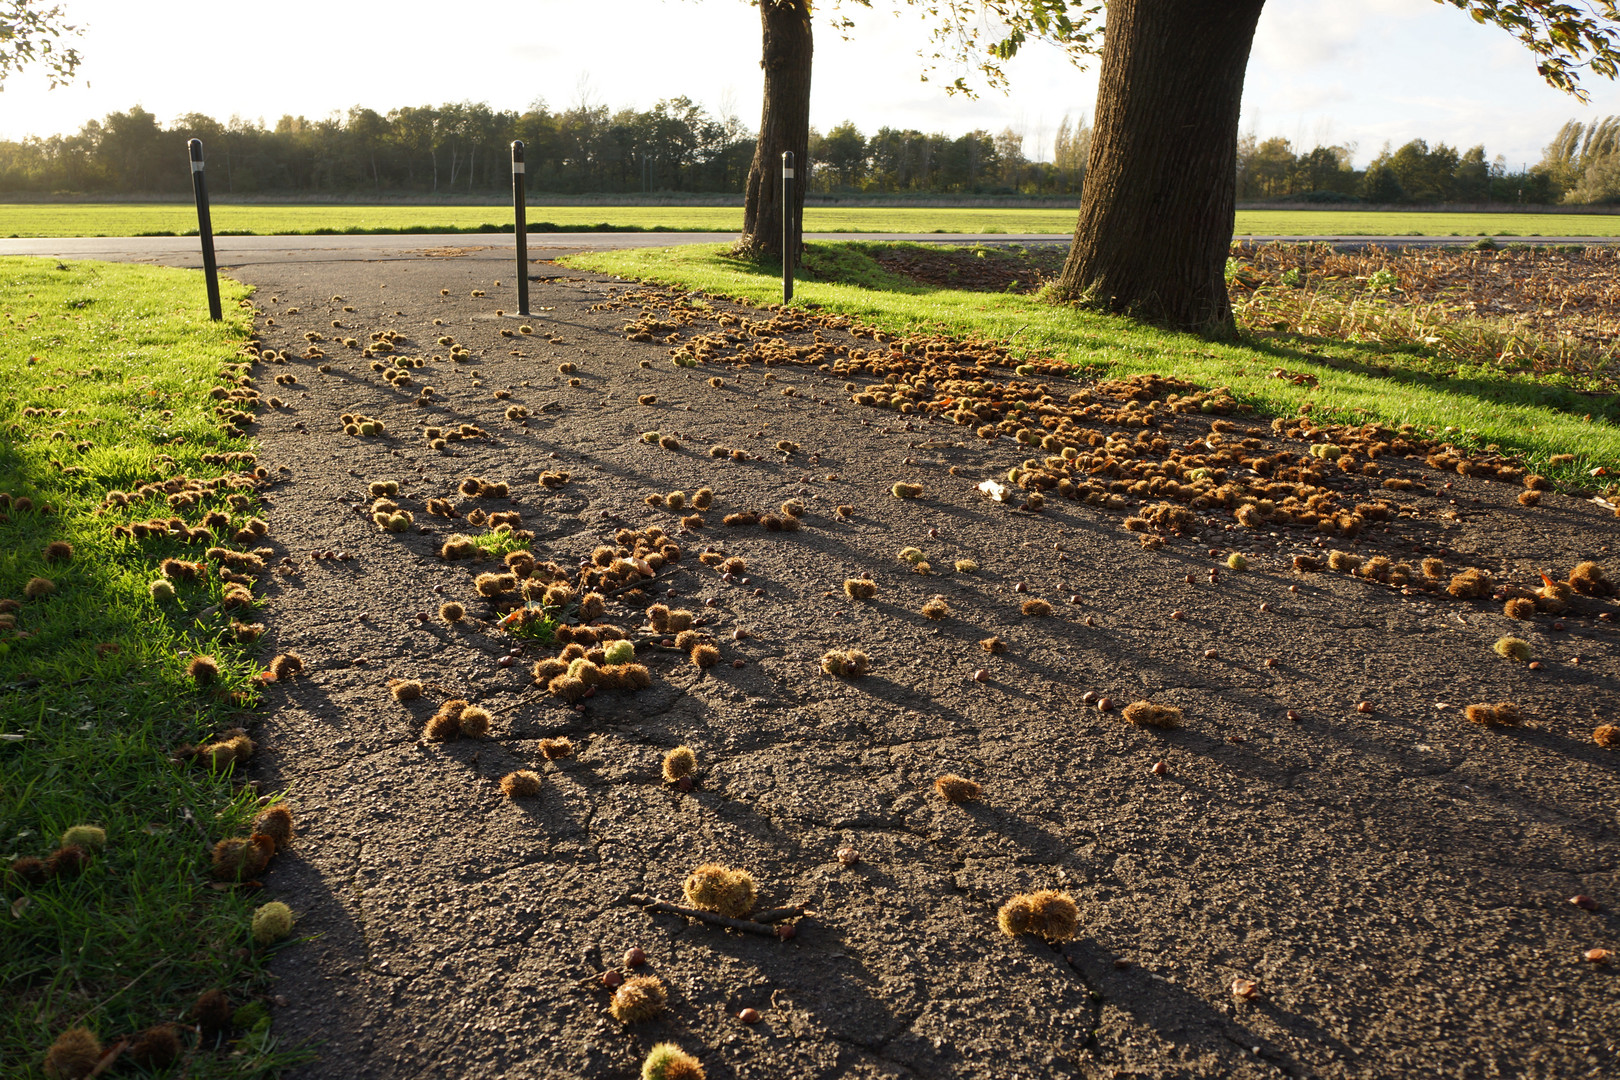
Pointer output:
x,y
1331,71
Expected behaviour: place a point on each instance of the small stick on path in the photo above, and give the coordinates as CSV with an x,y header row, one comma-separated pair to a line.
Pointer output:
x,y
761,924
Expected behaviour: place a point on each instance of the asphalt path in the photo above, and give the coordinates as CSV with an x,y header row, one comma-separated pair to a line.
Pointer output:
x,y
245,251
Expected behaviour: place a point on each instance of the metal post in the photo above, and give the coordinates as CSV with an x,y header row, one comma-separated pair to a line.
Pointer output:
x,y
787,227
520,226
205,229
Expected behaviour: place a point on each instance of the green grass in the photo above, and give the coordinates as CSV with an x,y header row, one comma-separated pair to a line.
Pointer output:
x,y
136,219
1357,383
122,358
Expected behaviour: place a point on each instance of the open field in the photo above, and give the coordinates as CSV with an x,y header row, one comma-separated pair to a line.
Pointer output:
x,y
106,421
135,219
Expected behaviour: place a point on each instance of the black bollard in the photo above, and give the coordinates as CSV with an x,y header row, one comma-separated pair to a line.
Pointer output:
x,y
520,226
787,226
205,229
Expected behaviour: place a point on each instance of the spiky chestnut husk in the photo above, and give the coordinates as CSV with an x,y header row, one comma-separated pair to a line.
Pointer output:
x,y
953,788
405,689
641,998
1434,569
90,837
586,671
74,1055
441,728
212,1012
155,1048
702,498
619,652
1046,914
1036,608
860,588
856,663
552,749
567,687
712,887
1605,735
67,861
936,609
521,784
161,590
285,666
546,670
277,824
38,587
1512,648
1502,714
1147,714
906,491
1588,579
236,859
1471,584
452,612
993,645
666,1061
450,711
679,762
272,922
635,676
28,870
705,656
474,722
58,551
1519,608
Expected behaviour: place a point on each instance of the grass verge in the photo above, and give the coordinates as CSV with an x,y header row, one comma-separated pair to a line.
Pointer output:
x,y
106,377
1278,373
178,219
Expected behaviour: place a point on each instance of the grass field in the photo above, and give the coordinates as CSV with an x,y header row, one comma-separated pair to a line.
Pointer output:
x,y
136,219
1355,383
106,378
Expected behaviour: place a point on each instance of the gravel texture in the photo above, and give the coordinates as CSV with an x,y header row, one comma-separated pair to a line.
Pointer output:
x,y
1395,882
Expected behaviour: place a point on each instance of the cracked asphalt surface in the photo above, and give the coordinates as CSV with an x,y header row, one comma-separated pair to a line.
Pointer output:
x,y
1396,881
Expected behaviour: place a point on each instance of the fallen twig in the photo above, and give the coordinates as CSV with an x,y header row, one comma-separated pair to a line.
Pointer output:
x,y
761,924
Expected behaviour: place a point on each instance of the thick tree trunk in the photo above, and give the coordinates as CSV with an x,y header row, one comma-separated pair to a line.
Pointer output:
x,y
784,126
1157,209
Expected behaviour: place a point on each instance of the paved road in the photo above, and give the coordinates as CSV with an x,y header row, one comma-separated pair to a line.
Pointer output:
x,y
239,251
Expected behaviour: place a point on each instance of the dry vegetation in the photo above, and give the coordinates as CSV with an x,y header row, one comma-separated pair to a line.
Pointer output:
x,y
1551,313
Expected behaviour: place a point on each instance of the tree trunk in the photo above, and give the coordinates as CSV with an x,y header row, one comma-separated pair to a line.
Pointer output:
x,y
784,126
1158,205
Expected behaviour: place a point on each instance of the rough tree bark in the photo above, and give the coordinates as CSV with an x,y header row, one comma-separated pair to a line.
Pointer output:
x,y
784,126
1158,206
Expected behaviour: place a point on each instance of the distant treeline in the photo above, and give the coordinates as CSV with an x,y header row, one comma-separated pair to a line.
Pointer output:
x,y
677,146
1580,166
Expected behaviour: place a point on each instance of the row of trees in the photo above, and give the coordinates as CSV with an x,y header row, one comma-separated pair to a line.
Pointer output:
x,y
1579,166
458,149
462,149
678,146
